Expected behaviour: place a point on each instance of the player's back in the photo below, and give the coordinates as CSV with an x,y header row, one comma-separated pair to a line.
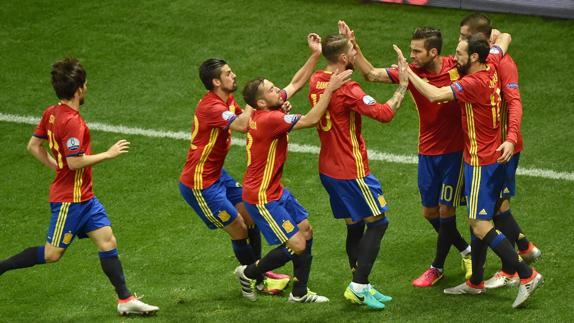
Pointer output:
x,y
68,136
343,154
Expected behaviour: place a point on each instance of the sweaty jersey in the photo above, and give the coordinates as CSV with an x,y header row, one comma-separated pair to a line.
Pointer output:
x,y
68,136
478,94
210,140
343,153
266,155
511,108
440,129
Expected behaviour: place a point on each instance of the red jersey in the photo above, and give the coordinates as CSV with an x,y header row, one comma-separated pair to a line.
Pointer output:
x,y
478,94
440,129
511,109
343,153
210,140
68,136
266,155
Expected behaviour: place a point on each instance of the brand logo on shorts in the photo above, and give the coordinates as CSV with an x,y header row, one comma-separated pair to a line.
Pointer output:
x,y
483,212
506,190
68,238
224,216
369,100
288,226
73,143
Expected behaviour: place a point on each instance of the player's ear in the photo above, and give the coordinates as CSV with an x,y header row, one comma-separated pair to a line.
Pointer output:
x,y
434,52
474,57
216,82
261,103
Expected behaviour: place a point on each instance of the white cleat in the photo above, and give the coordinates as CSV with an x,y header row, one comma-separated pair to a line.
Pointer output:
x,y
133,305
465,288
247,284
531,254
527,287
500,279
310,297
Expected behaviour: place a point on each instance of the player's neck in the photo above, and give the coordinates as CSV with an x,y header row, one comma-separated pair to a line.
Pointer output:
x,y
476,68
223,95
73,103
435,65
333,67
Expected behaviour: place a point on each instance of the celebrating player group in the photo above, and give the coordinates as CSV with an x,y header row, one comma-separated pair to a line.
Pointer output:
x,y
470,115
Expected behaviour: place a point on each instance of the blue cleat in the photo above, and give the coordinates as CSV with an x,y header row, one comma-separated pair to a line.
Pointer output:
x,y
364,297
379,296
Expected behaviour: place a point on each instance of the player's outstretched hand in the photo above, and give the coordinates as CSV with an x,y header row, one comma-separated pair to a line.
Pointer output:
x,y
286,106
347,32
120,147
403,67
314,41
338,79
507,150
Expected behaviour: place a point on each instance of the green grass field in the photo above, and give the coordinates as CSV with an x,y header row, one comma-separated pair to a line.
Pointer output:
x,y
142,60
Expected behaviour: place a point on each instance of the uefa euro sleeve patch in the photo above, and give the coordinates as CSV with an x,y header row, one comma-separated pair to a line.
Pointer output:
x,y
458,86
512,85
73,144
227,115
291,118
369,100
495,50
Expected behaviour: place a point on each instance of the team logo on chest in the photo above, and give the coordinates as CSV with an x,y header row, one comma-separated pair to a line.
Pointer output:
x,y
73,143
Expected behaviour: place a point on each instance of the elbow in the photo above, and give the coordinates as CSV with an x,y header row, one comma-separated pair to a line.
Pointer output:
x,y
435,99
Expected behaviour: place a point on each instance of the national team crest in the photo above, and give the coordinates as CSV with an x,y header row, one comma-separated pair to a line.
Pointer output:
x,y
288,226
73,143
224,216
382,201
67,237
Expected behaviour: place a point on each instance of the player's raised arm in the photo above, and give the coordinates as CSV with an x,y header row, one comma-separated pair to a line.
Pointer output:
x,y
36,148
241,123
81,161
503,42
304,73
431,92
370,73
312,118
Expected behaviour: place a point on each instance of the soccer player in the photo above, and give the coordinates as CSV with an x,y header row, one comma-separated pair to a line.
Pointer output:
x,y
212,193
511,118
281,218
355,194
477,93
441,144
75,209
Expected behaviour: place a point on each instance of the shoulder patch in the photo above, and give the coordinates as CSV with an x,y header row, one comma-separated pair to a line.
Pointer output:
x,y
73,143
512,85
495,50
227,115
457,86
290,118
369,100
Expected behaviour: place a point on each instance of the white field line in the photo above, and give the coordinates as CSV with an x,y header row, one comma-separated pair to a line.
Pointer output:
x,y
185,135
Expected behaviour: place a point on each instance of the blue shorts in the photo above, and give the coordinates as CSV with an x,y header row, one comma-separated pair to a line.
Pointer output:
x,y
278,220
509,187
355,198
482,188
75,219
441,180
215,204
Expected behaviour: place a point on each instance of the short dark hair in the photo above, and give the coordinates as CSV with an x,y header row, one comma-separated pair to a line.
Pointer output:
x,y
477,23
252,91
477,43
209,70
432,37
68,75
333,45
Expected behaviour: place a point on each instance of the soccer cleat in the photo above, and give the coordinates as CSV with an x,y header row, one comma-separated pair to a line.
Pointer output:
x,y
466,264
133,305
273,275
428,278
500,278
273,286
247,285
466,288
310,297
531,254
379,296
527,287
364,297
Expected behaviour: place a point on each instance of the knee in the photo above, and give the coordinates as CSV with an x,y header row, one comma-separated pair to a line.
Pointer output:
x,y
446,211
237,229
307,231
297,245
430,213
53,255
503,206
109,244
